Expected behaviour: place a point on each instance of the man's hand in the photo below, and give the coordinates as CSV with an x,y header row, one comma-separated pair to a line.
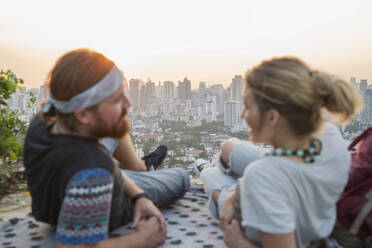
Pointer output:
x,y
228,210
144,208
152,232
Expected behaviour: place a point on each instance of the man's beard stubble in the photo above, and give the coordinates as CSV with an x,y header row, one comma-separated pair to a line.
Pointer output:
x,y
119,130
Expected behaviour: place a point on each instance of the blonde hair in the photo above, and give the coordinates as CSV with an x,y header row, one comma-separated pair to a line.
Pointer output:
x,y
299,94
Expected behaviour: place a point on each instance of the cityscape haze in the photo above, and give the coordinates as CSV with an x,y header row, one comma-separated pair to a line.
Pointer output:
x,y
207,41
184,60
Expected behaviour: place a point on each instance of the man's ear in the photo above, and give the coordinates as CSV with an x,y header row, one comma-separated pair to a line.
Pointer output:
x,y
273,117
83,116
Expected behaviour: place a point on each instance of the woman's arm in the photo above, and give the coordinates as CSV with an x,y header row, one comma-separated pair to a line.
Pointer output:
x,y
235,237
270,240
228,209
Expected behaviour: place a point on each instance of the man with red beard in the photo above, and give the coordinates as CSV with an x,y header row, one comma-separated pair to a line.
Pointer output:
x,y
75,184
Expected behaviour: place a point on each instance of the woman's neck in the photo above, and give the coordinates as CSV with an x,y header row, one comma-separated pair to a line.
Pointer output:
x,y
287,140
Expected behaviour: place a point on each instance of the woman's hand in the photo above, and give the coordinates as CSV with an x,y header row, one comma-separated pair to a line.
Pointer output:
x,y
144,208
234,237
228,209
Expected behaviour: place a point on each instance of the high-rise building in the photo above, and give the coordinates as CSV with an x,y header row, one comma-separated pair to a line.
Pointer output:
x,y
149,92
142,97
363,85
17,100
202,89
210,107
42,92
181,90
176,92
356,85
368,107
159,91
188,88
218,90
184,89
134,93
236,88
232,113
168,89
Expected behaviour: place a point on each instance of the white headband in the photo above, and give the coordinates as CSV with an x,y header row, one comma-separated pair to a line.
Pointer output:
x,y
111,82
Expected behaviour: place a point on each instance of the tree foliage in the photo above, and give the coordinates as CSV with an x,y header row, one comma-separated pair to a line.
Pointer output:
x,y
12,129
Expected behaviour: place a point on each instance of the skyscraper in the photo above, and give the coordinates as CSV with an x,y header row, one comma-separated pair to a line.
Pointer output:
x,y
134,93
236,88
159,91
210,107
368,107
363,84
187,87
149,92
218,90
202,89
17,100
184,89
363,89
42,92
168,89
232,113
142,97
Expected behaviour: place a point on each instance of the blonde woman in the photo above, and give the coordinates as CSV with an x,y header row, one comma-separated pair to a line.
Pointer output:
x,y
286,198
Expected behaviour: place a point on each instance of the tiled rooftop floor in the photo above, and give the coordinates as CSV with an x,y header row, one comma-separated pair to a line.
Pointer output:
x,y
189,224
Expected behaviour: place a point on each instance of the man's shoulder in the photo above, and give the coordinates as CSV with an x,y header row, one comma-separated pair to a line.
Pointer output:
x,y
71,160
63,151
82,152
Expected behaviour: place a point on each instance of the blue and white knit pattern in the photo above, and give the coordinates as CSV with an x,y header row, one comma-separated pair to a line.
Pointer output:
x,y
85,212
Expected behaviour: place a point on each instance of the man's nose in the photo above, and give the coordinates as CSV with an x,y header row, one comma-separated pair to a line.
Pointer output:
x,y
126,102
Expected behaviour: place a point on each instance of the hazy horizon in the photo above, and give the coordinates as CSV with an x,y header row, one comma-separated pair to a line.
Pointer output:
x,y
206,41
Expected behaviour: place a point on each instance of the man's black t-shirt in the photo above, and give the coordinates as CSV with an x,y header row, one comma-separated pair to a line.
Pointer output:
x,y
55,167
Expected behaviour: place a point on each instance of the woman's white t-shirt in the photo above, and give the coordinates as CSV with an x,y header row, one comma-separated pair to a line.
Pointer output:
x,y
280,196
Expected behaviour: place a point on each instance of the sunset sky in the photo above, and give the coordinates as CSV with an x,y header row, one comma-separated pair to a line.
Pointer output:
x,y
205,40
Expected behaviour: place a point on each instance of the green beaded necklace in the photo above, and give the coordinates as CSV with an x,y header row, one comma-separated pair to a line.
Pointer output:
x,y
308,155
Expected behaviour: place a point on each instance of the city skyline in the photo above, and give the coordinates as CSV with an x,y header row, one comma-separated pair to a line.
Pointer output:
x,y
182,104
204,41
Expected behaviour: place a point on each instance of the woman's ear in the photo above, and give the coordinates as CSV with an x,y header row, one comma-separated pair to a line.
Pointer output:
x,y
273,117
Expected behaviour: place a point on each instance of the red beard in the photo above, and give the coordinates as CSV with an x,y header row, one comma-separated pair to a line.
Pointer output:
x,y
117,131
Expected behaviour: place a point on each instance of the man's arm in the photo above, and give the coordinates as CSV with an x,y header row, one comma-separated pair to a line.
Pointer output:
x,y
127,157
130,240
149,234
84,216
144,207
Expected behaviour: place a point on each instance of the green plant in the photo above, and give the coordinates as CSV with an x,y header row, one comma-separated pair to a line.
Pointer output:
x,y
12,129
